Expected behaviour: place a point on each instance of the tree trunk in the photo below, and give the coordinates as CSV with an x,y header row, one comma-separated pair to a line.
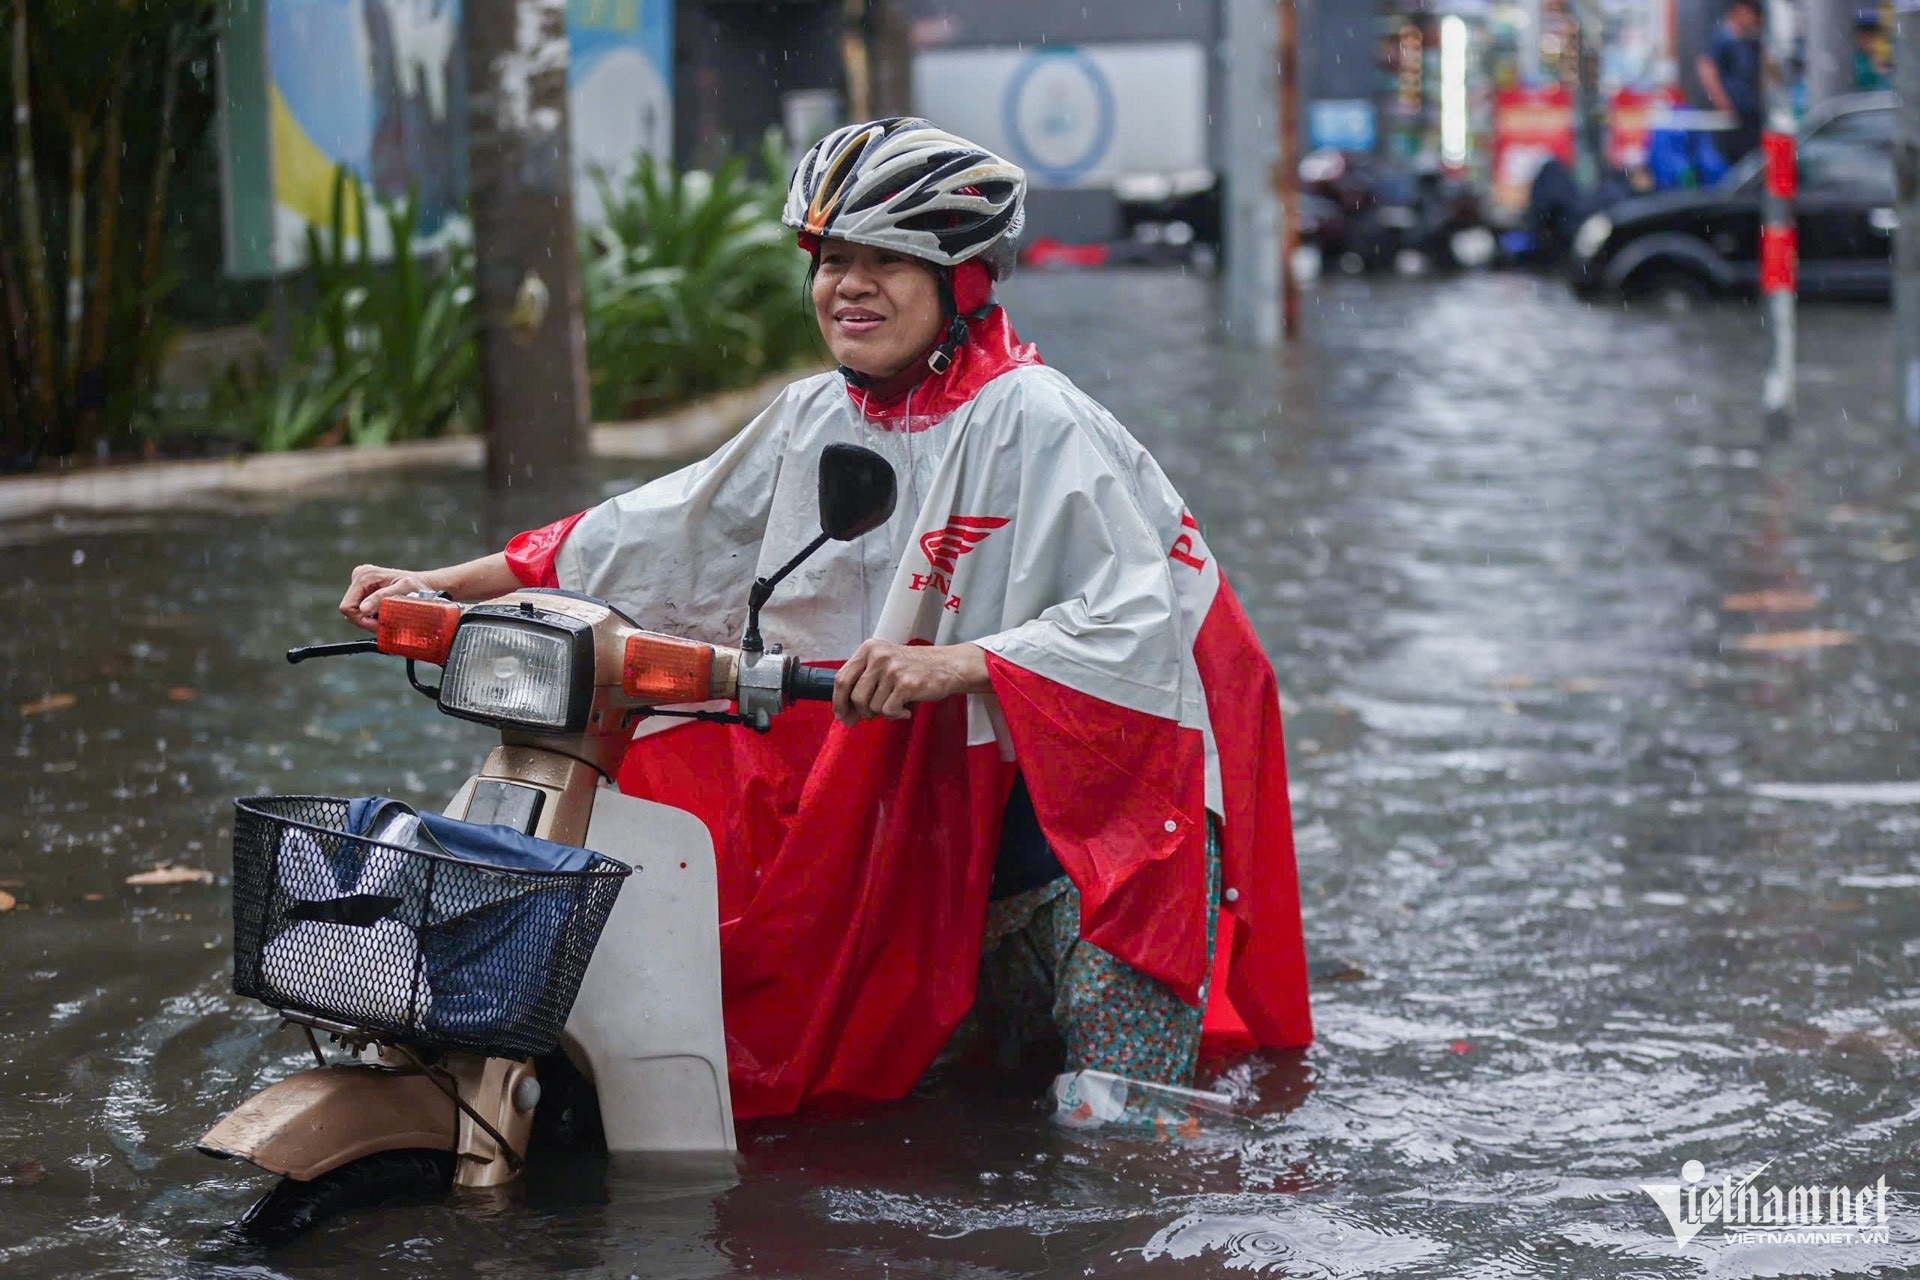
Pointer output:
x,y
533,370
856,61
33,245
892,45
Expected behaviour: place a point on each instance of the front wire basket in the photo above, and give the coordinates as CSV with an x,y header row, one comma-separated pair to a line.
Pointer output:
x,y
408,944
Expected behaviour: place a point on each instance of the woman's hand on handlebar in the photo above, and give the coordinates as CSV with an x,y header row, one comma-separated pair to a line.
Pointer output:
x,y
884,679
370,585
482,579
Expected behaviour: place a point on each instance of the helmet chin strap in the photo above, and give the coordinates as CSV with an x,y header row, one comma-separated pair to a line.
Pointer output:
x,y
940,359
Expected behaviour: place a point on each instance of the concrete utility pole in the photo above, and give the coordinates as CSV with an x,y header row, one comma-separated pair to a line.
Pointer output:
x,y
1906,173
1779,244
1829,48
1534,12
533,368
1252,213
1584,24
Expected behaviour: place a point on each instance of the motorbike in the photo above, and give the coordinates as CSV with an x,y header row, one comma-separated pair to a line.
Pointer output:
x,y
545,933
1364,215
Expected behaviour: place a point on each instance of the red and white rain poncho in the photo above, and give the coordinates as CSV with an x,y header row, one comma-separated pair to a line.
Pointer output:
x,y
1130,692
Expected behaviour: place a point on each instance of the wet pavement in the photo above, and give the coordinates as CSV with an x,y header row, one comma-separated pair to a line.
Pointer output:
x,y
1603,734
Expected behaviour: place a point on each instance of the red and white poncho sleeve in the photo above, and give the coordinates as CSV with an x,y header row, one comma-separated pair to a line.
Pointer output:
x,y
531,555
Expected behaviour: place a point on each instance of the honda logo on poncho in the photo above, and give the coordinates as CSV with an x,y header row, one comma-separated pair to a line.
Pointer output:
x,y
944,547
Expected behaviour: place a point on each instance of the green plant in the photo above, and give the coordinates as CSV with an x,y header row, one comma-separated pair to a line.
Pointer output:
x,y
300,406
400,331
384,353
691,285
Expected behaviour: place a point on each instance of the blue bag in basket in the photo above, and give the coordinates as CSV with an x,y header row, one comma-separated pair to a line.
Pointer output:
x,y
486,942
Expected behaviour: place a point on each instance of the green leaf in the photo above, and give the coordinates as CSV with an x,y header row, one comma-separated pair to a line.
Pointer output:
x,y
690,285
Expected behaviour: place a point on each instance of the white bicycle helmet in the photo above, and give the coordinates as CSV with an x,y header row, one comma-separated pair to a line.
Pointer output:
x,y
905,185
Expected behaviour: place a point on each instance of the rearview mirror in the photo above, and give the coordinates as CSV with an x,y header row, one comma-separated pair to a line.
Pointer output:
x,y
856,497
856,491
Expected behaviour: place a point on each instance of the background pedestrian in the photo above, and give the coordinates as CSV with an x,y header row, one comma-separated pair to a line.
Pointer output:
x,y
1730,74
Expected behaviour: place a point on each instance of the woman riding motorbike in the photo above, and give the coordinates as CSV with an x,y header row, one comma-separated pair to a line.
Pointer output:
x,y
1052,787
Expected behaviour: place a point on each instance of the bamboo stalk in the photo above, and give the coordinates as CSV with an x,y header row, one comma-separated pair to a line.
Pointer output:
x,y
156,230
33,245
93,354
79,154
78,122
14,373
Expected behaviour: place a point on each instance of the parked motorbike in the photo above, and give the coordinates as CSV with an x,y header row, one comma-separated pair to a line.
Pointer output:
x,y
546,930
1364,215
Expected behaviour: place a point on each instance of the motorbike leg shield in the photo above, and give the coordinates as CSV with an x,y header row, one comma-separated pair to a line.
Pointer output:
x,y
646,1029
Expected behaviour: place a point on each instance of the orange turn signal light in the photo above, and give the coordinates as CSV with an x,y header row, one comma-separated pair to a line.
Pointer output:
x,y
421,629
666,669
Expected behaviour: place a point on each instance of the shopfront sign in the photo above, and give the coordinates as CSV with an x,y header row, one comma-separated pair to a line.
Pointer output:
x,y
1530,127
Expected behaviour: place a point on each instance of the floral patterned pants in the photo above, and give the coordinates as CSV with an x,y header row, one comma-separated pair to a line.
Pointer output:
x,y
1040,980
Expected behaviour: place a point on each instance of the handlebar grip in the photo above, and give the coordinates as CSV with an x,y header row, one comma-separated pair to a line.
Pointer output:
x,y
332,650
811,684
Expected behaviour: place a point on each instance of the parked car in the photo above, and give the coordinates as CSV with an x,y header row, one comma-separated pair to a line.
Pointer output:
x,y
1679,246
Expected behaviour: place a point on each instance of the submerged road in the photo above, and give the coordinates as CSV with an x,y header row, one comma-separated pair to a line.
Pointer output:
x,y
1602,723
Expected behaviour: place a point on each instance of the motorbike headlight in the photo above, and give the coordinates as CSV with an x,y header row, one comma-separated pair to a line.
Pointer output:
x,y
520,668
1592,236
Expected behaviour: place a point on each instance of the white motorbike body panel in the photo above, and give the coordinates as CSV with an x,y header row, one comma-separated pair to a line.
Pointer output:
x,y
647,1027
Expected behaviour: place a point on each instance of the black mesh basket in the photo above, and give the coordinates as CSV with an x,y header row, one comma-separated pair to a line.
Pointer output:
x,y
415,946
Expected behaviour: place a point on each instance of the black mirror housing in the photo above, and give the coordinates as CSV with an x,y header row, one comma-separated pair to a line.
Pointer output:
x,y
857,491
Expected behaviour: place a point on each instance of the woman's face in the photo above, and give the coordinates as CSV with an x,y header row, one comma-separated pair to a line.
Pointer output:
x,y
878,310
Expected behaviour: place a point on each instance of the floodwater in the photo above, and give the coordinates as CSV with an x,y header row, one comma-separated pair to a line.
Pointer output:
x,y
1606,869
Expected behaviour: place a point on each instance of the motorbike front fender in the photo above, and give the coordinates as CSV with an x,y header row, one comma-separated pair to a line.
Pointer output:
x,y
314,1122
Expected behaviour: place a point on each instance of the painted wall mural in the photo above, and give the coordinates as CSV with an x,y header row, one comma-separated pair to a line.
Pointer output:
x,y
379,86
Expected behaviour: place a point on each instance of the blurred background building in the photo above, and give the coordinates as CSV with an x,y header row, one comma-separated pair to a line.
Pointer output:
x,y
1106,106
206,194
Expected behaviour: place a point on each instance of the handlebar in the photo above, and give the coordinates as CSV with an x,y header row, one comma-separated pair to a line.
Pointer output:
x,y
304,652
811,684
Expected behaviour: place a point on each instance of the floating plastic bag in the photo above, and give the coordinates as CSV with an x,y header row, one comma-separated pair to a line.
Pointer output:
x,y
1090,1099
